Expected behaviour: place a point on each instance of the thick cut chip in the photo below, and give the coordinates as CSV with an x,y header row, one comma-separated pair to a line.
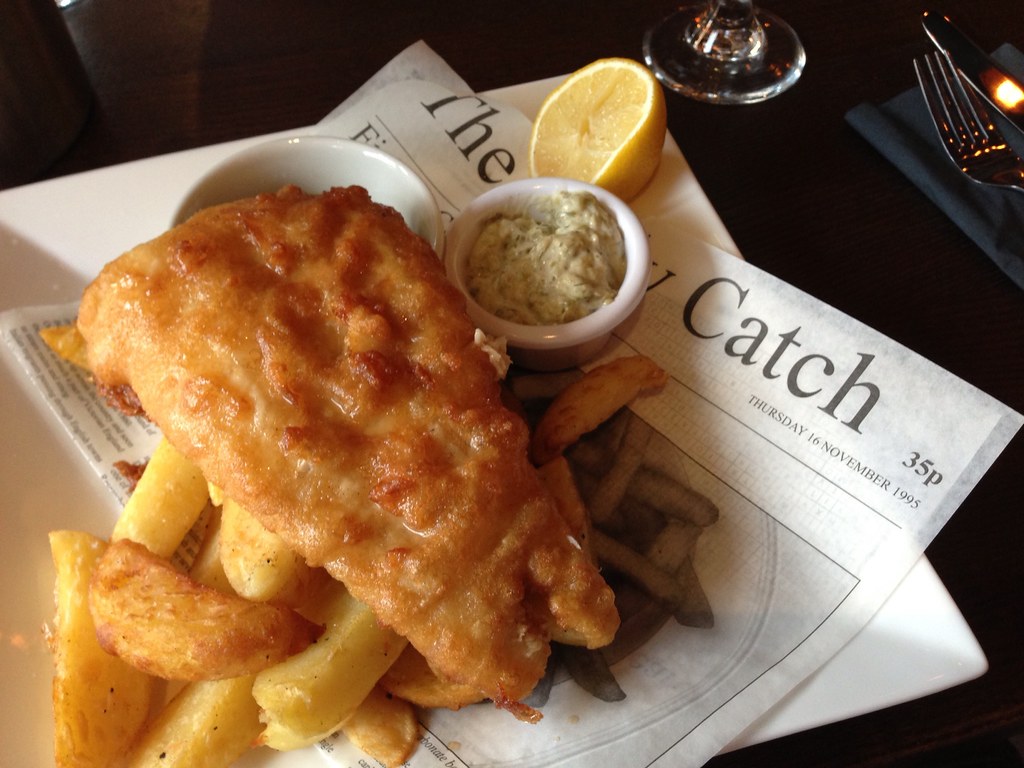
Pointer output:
x,y
309,355
412,679
384,727
99,702
169,498
256,562
67,343
308,696
208,724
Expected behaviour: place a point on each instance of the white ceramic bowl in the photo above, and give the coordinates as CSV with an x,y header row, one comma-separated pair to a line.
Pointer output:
x,y
317,163
550,347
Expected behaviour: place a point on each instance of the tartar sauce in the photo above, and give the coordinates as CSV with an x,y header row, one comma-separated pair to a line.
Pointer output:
x,y
557,259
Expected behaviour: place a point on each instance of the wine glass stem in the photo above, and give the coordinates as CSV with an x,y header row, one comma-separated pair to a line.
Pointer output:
x,y
727,31
725,52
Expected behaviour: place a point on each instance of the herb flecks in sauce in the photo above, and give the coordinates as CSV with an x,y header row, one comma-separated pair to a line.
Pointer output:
x,y
554,259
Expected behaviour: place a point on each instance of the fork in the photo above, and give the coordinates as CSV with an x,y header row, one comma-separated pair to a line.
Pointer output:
x,y
965,128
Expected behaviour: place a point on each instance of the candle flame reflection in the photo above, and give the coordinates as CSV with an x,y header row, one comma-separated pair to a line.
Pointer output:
x,y
1008,94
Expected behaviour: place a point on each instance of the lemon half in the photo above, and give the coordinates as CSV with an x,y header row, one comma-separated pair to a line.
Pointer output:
x,y
605,124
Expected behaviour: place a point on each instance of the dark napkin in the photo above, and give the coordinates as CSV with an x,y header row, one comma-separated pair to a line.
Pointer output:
x,y
901,130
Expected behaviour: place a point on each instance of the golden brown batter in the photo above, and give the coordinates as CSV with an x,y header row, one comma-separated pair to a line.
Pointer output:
x,y
308,354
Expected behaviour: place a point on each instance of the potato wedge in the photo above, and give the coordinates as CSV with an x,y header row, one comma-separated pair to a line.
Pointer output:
x,y
99,701
307,697
170,496
673,544
587,403
161,621
385,727
672,551
658,583
695,610
412,679
675,499
208,724
557,478
256,561
591,671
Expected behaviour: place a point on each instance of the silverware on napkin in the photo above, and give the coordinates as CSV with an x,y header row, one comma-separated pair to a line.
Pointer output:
x,y
968,134
901,130
1003,91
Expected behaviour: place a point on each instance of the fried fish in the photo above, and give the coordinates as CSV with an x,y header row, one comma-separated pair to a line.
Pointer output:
x,y
308,354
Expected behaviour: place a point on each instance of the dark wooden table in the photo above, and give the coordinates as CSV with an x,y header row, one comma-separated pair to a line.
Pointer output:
x,y
802,194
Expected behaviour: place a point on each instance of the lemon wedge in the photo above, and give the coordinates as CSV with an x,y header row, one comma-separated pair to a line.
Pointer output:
x,y
605,125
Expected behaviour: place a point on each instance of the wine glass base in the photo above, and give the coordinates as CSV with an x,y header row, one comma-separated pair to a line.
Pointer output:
x,y
686,70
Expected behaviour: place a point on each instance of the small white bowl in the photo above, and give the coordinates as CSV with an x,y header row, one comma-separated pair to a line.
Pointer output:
x,y
315,164
550,347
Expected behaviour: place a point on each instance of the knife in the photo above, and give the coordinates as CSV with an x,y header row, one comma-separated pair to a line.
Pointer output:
x,y
998,87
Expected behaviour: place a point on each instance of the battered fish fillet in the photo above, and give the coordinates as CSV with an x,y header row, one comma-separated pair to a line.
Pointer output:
x,y
308,354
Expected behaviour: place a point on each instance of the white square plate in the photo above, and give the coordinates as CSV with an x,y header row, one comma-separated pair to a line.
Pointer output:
x,y
55,235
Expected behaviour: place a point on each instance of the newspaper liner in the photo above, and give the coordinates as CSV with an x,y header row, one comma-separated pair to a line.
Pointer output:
x,y
824,445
